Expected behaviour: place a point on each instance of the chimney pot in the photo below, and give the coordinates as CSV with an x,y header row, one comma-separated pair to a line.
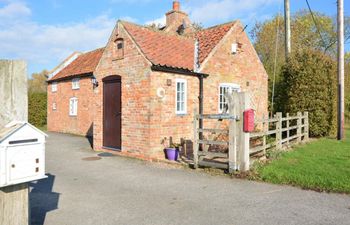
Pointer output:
x,y
176,5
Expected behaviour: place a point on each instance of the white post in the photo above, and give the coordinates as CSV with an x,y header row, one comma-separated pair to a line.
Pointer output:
x,y
232,151
14,203
287,27
243,137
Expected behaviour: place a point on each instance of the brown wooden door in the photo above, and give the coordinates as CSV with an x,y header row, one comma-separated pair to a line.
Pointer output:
x,y
112,112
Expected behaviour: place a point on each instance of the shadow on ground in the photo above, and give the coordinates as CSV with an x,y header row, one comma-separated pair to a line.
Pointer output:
x,y
42,199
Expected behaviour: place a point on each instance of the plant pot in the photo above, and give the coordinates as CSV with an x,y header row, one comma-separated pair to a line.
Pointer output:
x,y
172,154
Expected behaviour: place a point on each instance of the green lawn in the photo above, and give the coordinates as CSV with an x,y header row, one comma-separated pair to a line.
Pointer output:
x,y
322,165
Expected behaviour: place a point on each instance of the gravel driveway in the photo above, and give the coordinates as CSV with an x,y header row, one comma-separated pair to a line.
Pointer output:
x,y
114,190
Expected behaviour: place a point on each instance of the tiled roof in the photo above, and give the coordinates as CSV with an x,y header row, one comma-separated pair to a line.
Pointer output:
x,y
161,48
84,64
173,50
210,37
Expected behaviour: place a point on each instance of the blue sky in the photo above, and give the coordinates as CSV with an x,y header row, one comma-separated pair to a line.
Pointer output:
x,y
44,32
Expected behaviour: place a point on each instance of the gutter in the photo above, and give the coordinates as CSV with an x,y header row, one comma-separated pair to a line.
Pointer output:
x,y
71,77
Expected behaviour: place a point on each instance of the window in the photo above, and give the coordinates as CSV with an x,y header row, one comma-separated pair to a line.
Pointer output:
x,y
119,48
54,106
223,89
75,83
73,106
181,96
54,87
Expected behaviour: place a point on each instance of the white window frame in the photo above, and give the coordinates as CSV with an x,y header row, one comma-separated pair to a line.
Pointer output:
x,y
232,86
184,110
75,83
54,86
54,106
73,106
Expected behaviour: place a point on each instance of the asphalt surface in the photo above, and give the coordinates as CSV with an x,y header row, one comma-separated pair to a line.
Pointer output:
x,y
121,191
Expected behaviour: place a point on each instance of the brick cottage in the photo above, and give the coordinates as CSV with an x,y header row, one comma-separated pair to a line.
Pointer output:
x,y
147,82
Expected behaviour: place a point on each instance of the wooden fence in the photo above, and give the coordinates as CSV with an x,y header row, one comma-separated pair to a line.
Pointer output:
x,y
276,132
279,132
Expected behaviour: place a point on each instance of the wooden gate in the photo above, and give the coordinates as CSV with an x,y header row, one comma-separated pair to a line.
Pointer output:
x,y
231,150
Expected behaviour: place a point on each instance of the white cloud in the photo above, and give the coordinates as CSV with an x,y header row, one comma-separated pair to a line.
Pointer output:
x,y
13,10
158,21
44,46
224,10
129,19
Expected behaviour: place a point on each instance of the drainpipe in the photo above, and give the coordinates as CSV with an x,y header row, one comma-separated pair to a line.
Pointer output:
x,y
200,104
196,67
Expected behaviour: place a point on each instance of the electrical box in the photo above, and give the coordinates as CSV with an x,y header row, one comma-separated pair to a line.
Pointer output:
x,y
248,120
22,154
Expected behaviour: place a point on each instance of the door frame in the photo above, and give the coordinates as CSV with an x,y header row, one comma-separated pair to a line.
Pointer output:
x,y
111,79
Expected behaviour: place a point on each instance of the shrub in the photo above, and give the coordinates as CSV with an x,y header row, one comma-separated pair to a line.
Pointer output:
x,y
347,110
309,80
37,103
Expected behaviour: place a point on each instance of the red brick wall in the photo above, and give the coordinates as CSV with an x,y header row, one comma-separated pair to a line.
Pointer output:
x,y
240,68
59,120
135,71
165,123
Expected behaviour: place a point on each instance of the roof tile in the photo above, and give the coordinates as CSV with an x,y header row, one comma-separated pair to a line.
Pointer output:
x,y
83,64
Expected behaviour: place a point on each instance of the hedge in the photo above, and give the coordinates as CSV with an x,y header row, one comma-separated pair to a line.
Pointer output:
x,y
37,108
309,80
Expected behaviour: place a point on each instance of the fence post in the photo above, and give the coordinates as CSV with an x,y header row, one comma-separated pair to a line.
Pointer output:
x,y
306,126
195,141
265,133
279,130
243,137
299,127
287,126
232,145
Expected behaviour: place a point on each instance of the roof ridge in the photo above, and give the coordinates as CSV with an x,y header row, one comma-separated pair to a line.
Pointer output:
x,y
157,31
91,51
233,22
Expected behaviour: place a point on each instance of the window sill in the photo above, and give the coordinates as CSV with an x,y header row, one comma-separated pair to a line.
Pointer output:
x,y
181,114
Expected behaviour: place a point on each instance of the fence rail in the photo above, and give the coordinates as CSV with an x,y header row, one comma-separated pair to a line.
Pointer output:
x,y
280,132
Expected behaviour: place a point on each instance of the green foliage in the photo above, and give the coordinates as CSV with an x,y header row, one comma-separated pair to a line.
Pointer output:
x,y
37,108
309,84
304,36
347,110
38,82
322,165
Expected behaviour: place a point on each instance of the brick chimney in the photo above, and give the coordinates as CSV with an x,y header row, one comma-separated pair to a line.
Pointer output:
x,y
177,21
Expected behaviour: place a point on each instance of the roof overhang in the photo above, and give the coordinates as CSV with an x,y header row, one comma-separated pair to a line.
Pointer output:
x,y
71,77
176,70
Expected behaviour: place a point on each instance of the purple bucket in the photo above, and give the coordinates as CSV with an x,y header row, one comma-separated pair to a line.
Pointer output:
x,y
171,153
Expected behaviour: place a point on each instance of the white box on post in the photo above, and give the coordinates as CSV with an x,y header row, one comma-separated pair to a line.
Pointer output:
x,y
22,154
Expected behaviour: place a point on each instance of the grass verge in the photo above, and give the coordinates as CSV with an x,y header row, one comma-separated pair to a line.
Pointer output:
x,y
322,165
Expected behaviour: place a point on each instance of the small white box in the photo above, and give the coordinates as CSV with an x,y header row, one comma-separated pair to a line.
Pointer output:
x,y
234,48
22,154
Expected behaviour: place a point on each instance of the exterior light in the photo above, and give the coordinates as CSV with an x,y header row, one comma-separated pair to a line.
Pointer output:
x,y
94,82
